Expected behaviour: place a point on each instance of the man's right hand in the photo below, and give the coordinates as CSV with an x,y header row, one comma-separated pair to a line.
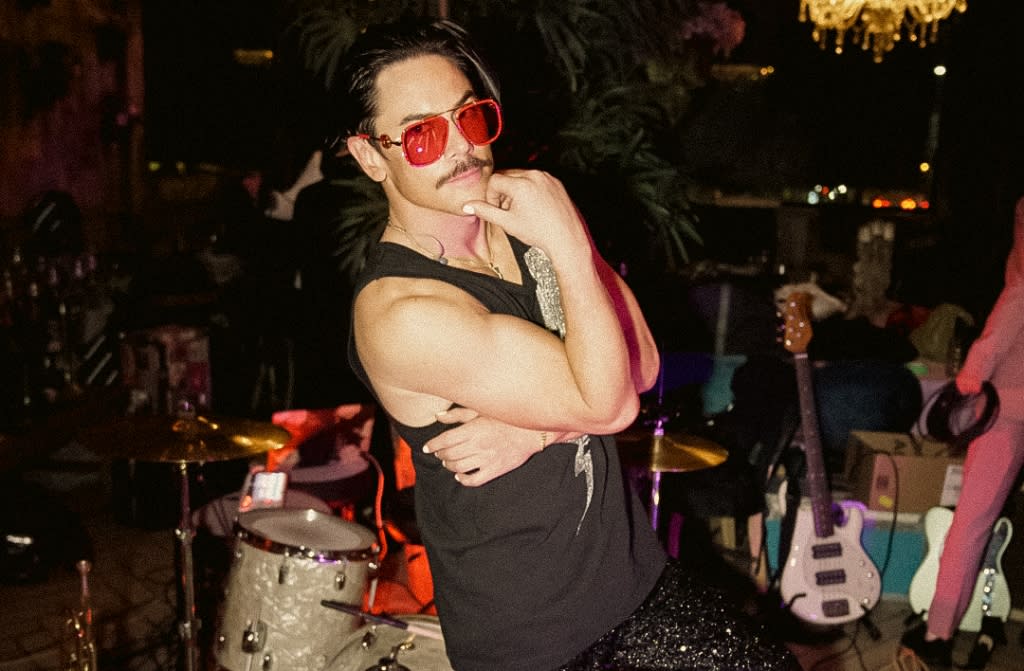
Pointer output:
x,y
534,207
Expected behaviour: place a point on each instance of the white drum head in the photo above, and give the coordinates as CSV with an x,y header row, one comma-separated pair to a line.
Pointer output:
x,y
307,529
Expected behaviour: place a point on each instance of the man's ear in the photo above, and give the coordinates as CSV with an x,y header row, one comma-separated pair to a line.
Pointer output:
x,y
368,158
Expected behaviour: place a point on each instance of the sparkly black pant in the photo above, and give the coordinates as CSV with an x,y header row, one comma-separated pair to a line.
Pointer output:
x,y
685,625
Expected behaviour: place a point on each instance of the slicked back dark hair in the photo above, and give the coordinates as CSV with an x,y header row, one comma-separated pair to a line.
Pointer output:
x,y
386,44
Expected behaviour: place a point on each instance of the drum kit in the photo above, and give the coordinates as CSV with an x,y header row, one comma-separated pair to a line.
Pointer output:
x,y
299,591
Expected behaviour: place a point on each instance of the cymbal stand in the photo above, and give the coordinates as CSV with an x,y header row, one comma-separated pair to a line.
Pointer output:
x,y
659,433
188,625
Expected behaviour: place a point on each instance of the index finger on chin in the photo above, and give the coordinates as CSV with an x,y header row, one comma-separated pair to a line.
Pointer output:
x,y
484,210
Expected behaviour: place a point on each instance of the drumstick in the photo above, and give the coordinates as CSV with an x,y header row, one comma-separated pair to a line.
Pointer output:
x,y
410,627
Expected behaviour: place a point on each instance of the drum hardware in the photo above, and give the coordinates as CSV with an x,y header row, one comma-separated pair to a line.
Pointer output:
x,y
368,639
82,654
660,452
189,439
391,663
382,618
412,643
184,439
282,572
254,637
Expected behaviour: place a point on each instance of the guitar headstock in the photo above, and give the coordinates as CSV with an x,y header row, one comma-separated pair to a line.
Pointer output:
x,y
796,315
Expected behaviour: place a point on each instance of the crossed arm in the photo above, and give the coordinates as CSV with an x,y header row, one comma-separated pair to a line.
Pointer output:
x,y
478,448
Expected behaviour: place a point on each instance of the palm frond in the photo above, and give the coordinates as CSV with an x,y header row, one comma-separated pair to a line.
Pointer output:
x,y
359,222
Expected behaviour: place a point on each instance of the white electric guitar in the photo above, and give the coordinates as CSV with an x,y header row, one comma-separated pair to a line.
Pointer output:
x,y
828,578
991,595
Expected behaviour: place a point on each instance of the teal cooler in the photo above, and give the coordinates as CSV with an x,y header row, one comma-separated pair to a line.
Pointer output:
x,y
908,547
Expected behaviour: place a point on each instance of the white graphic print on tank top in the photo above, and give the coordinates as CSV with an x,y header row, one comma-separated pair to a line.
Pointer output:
x,y
550,300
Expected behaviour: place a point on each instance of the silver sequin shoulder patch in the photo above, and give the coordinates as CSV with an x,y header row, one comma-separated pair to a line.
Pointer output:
x,y
548,294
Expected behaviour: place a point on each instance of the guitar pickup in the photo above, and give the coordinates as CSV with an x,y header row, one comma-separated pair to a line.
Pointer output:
x,y
827,550
836,577
835,608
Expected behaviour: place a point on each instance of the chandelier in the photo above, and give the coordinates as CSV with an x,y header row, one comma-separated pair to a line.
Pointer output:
x,y
877,24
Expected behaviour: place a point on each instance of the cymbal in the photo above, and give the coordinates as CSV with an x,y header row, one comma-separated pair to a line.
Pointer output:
x,y
184,440
670,453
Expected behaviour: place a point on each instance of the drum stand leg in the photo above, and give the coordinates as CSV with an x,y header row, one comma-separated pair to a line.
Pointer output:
x,y
188,625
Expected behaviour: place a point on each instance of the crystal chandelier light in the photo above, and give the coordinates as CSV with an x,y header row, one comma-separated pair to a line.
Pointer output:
x,y
877,24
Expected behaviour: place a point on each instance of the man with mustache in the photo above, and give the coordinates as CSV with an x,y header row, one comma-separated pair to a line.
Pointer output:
x,y
485,307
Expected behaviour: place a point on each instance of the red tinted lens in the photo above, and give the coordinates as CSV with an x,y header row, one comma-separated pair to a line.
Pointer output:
x,y
480,122
424,142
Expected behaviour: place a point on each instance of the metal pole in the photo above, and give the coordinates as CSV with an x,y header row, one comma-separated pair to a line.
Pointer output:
x,y
655,497
188,625
659,433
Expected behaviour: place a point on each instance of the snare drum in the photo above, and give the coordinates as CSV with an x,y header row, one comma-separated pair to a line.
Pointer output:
x,y
285,562
221,515
381,646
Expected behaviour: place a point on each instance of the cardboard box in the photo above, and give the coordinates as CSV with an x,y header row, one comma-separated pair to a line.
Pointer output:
x,y
897,471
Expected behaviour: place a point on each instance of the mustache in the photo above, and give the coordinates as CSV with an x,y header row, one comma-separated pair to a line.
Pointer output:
x,y
471,163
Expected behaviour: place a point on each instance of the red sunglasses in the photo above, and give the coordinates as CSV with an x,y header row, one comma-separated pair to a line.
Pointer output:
x,y
423,142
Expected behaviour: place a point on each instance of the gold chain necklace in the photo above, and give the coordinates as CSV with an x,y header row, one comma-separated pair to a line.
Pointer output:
x,y
465,260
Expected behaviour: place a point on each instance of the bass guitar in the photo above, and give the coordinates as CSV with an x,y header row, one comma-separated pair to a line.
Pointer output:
x,y
828,578
991,596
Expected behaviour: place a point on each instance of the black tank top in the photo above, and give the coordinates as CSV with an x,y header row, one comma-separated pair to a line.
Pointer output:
x,y
534,566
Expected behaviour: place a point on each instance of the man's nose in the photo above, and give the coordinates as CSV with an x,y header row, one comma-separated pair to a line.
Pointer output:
x,y
457,142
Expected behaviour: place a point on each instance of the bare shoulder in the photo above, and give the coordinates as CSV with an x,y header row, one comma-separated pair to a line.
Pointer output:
x,y
402,298
405,332
399,312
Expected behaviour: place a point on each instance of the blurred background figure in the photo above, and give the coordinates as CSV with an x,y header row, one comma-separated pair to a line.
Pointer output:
x,y
993,465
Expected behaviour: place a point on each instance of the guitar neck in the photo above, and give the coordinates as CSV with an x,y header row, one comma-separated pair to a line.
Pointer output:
x,y
817,480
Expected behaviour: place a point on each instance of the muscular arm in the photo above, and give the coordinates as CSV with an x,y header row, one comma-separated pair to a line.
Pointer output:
x,y
428,345
644,360
479,449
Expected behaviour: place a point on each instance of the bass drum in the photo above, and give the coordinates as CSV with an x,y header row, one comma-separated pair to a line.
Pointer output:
x,y
285,562
382,647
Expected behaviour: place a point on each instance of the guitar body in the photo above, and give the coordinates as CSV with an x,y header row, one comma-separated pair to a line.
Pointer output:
x,y
830,580
922,585
991,594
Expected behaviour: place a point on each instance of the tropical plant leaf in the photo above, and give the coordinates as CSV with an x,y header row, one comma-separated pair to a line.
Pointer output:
x,y
360,221
613,92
